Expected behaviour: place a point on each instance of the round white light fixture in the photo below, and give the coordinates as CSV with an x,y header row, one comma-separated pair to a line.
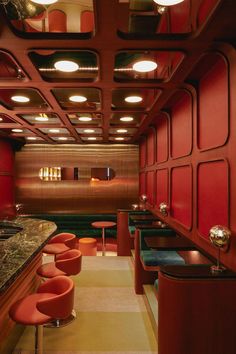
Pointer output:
x,y
54,130
133,99
119,138
44,2
41,119
85,119
1,119
78,98
31,138
89,130
144,66
20,99
92,138
67,66
126,119
167,2
17,130
122,130
62,138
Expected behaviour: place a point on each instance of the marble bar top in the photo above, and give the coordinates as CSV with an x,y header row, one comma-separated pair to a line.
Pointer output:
x,y
19,250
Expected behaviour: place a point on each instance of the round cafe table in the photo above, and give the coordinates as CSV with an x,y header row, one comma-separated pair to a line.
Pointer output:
x,y
103,225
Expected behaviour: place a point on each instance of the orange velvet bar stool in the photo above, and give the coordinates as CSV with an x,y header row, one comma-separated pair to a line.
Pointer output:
x,y
67,263
54,300
88,246
60,243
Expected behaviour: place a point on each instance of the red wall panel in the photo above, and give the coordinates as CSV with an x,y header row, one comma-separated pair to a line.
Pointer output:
x,y
151,146
213,192
205,9
150,188
162,138
6,157
181,195
142,183
142,153
162,190
7,196
213,107
181,126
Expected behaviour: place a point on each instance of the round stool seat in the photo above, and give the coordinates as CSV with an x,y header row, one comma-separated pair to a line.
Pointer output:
x,y
88,246
55,248
25,311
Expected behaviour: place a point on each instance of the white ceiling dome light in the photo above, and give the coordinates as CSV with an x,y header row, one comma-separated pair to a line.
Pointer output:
x,y
167,2
144,66
66,66
44,2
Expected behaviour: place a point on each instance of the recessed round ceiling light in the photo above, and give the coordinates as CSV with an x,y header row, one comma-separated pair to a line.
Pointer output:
x,y
41,119
92,138
85,119
54,130
133,99
119,138
167,2
21,99
89,130
31,138
122,130
17,130
126,119
44,2
144,66
67,66
62,138
1,119
78,98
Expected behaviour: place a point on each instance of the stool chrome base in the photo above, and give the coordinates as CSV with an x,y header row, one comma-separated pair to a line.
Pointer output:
x,y
61,323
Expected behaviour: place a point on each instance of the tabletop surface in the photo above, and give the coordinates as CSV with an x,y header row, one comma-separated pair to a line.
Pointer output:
x,y
143,217
103,224
169,243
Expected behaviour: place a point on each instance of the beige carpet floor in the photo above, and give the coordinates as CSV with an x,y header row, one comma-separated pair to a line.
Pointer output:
x,y
111,319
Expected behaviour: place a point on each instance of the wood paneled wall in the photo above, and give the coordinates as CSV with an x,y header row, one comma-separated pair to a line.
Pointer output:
x,y
190,163
84,195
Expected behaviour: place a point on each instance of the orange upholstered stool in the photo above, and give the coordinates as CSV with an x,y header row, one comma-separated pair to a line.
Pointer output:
x,y
67,263
60,243
88,246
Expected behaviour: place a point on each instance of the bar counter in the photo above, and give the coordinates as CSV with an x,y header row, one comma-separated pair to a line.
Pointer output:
x,y
19,250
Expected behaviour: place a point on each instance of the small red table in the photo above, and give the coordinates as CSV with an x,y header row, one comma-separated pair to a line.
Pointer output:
x,y
103,225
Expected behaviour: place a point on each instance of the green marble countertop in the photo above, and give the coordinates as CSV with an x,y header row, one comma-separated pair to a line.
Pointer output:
x,y
18,251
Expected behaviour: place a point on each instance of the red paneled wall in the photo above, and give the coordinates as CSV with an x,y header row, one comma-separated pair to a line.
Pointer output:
x,y
194,152
7,203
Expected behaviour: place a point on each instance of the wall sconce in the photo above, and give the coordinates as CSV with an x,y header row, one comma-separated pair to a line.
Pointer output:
x,y
219,236
163,207
143,201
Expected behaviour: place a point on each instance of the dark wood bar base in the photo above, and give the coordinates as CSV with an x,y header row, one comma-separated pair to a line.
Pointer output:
x,y
26,283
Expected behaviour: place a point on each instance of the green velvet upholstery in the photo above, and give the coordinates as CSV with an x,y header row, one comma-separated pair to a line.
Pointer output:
x,y
79,224
161,258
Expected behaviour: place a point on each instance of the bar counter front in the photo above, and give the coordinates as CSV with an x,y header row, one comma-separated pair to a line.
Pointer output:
x,y
20,256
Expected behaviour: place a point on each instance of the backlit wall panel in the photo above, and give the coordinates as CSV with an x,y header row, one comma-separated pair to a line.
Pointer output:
x,y
162,190
150,188
151,146
181,126
181,195
213,199
162,138
213,122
